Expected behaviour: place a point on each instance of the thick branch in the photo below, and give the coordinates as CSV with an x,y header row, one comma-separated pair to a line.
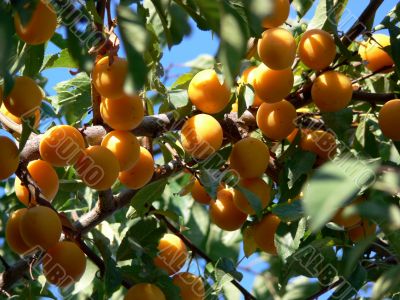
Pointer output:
x,y
360,25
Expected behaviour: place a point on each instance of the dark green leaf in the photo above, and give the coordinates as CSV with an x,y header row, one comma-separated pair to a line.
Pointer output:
x,y
33,60
147,195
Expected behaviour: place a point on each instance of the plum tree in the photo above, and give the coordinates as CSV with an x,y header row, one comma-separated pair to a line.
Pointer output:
x,y
201,136
13,235
41,25
125,146
9,157
373,53
389,119
109,75
279,14
18,120
191,286
199,193
276,120
61,145
272,85
98,168
224,213
317,49
258,187
41,227
264,233
124,113
141,173
133,144
25,97
332,91
44,176
145,291
249,157
207,93
277,48
64,264
172,254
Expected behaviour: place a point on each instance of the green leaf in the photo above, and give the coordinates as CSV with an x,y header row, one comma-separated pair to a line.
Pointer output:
x,y
302,6
298,164
253,199
334,184
33,60
301,288
6,33
62,59
288,237
327,15
233,43
183,81
27,128
136,42
245,98
112,276
147,195
387,283
73,98
339,122
228,267
289,212
178,98
142,237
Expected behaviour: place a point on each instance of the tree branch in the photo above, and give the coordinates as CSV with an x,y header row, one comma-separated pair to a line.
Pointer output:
x,y
360,25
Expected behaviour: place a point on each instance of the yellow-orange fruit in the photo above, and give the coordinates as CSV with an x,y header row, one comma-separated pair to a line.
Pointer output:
x,y
64,264
317,49
277,48
224,213
172,254
264,233
201,136
25,97
61,145
191,286
44,176
125,147
364,230
320,142
272,85
249,157
141,173
348,220
258,187
41,227
389,120
9,157
109,79
279,14
373,54
13,235
332,91
276,120
98,168
207,93
125,113
41,26
199,193
250,79
144,291
18,120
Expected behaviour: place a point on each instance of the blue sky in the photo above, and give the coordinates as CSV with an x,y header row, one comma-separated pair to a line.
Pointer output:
x,y
201,42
